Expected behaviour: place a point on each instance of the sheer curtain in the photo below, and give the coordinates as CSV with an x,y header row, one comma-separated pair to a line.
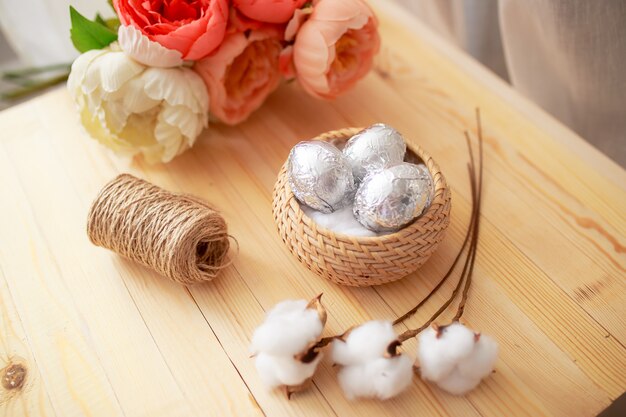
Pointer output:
x,y
39,30
569,56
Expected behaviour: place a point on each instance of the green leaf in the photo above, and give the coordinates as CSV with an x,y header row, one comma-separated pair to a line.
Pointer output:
x,y
113,23
100,19
87,34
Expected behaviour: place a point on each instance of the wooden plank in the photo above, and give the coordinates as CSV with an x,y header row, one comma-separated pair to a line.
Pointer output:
x,y
22,392
59,339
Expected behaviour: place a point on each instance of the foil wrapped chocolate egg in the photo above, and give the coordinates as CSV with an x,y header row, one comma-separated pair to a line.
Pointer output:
x,y
377,147
390,199
320,176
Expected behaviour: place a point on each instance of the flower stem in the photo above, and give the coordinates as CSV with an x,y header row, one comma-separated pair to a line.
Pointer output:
x,y
28,72
33,88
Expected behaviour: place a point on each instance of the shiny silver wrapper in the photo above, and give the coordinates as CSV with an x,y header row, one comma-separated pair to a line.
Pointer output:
x,y
375,148
390,199
320,176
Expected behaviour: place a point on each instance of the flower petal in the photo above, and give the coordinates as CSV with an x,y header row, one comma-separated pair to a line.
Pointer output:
x,y
139,47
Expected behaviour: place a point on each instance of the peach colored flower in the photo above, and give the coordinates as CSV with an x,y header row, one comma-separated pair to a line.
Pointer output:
x,y
270,11
238,22
194,28
335,47
285,63
241,73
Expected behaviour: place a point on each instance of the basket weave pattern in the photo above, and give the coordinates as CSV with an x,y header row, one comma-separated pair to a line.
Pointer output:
x,y
361,261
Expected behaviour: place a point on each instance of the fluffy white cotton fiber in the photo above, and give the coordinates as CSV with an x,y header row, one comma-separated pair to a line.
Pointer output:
x,y
368,369
288,330
284,370
340,221
456,358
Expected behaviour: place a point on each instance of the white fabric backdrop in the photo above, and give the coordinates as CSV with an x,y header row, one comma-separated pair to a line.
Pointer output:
x,y
38,30
569,56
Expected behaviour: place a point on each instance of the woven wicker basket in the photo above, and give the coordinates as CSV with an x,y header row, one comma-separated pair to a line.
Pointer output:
x,y
361,261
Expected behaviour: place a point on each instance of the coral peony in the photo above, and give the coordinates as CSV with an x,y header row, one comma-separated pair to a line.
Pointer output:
x,y
269,11
194,28
335,47
134,109
241,73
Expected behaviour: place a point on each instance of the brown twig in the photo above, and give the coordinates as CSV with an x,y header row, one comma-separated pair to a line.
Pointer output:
x,y
446,276
468,267
468,281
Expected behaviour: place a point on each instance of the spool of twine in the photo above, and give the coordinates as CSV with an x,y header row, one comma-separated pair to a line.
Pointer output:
x,y
177,235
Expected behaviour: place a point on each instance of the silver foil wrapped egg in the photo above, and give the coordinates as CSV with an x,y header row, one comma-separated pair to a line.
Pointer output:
x,y
377,147
320,176
390,199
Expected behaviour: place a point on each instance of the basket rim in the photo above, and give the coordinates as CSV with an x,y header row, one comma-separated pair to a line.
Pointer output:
x,y
439,194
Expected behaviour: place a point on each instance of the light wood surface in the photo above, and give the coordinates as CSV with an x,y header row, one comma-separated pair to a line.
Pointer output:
x,y
101,336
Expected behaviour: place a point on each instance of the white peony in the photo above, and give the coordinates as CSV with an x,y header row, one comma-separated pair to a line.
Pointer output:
x,y
131,108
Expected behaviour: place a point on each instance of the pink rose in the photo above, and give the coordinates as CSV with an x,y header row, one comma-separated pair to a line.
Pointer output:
x,y
335,47
192,27
270,11
241,73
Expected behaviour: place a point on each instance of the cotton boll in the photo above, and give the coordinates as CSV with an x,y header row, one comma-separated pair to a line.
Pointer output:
x,y
353,381
456,358
391,376
284,345
287,308
340,221
288,329
276,371
382,378
440,349
369,368
266,367
457,384
364,343
482,360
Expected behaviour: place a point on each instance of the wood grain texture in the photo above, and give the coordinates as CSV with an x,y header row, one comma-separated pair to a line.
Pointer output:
x,y
101,336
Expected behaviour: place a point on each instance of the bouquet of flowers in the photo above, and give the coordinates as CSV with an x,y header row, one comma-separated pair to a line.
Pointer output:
x,y
149,81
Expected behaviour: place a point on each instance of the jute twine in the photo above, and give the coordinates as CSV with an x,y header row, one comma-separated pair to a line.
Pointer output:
x,y
177,235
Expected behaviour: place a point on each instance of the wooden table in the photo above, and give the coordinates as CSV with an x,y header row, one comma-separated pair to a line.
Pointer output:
x,y
102,336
